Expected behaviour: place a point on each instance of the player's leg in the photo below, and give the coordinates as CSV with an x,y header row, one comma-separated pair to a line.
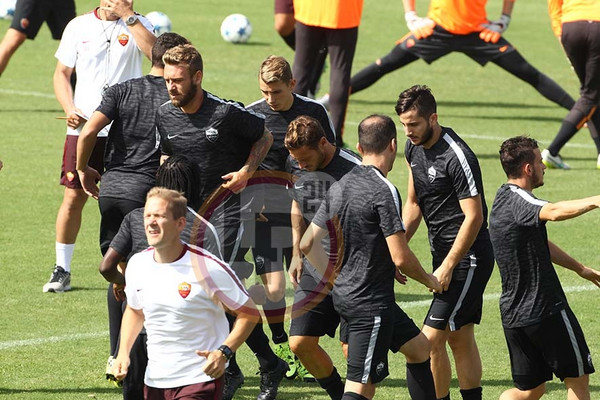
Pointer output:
x,y
578,388
584,54
517,394
440,362
285,22
395,59
12,40
467,361
309,40
341,45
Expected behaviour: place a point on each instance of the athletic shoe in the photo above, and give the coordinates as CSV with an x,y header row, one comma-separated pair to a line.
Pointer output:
x,y
269,381
233,381
324,100
60,281
109,374
283,351
598,162
553,162
303,373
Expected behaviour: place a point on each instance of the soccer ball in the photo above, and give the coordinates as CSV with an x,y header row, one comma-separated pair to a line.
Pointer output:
x,y
161,22
236,28
7,8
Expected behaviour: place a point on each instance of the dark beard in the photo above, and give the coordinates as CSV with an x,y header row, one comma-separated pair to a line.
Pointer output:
x,y
186,97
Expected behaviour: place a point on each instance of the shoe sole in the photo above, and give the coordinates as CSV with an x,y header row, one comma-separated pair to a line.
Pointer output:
x,y
55,290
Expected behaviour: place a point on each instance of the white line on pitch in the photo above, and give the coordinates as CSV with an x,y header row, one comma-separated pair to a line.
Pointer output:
x,y
23,93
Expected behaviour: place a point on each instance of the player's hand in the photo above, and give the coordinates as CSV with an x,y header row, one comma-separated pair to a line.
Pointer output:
x,y
119,292
295,270
236,181
74,118
591,275
215,363
119,8
434,286
400,277
420,27
120,367
444,276
89,179
493,30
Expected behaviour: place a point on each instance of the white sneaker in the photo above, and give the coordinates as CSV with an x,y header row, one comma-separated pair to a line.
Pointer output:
x,y
60,281
598,162
553,162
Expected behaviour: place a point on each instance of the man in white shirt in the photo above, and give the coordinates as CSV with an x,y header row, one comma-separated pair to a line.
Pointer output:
x,y
105,46
178,292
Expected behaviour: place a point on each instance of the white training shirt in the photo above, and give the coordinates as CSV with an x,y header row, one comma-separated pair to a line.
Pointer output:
x,y
179,311
102,53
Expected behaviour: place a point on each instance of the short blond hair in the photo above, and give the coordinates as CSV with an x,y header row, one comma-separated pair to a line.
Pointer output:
x,y
184,54
275,69
177,201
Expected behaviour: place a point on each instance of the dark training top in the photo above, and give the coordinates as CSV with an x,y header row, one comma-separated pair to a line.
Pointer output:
x,y
443,175
368,207
531,290
132,155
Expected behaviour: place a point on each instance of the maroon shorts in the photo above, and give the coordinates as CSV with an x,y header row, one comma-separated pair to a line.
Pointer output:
x,y
68,173
212,390
284,6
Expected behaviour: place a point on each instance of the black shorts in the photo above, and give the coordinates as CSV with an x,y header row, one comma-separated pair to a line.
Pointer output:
x,y
404,330
442,42
272,243
112,212
31,14
369,339
555,345
68,172
284,7
462,303
313,313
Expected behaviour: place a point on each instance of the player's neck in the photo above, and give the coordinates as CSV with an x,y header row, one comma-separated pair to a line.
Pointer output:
x,y
156,71
169,253
378,161
523,183
328,152
194,105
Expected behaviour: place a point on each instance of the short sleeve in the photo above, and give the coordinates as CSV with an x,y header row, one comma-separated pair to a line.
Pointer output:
x,y
388,207
462,170
248,125
230,290
109,106
132,277
122,243
526,208
67,49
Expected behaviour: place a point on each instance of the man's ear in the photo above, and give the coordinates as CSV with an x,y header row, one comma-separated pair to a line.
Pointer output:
x,y
359,149
198,77
527,169
433,119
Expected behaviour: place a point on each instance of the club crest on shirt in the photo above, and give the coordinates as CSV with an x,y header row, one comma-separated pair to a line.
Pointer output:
x,y
379,368
260,262
431,174
184,289
123,38
212,134
24,23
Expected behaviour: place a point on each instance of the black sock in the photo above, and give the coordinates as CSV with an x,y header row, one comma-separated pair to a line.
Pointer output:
x,y
566,132
290,39
365,78
233,366
471,394
333,385
353,396
274,312
553,92
259,344
420,381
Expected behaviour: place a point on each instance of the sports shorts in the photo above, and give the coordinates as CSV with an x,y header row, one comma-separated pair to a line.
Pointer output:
x,y
369,339
313,313
31,14
462,303
555,345
284,6
442,42
272,243
404,329
68,173
211,390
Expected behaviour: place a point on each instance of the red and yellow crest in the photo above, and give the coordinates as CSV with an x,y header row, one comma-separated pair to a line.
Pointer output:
x,y
184,289
123,38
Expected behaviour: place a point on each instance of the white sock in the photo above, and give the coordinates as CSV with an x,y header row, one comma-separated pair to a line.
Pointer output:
x,y
64,255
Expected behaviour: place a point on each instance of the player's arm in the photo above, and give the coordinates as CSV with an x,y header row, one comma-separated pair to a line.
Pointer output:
x,y
555,12
560,257
108,267
411,213
406,261
243,326
236,181
131,326
310,245
298,228
420,27
492,31
568,209
467,233
64,94
143,37
85,146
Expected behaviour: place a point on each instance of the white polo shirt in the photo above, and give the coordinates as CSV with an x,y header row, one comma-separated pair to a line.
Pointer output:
x,y
182,308
103,53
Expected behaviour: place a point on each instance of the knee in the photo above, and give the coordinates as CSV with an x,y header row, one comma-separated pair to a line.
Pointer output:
x,y
532,394
300,345
416,350
74,198
275,293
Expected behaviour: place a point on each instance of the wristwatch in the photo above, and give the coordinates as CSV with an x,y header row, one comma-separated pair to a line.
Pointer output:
x,y
131,19
227,352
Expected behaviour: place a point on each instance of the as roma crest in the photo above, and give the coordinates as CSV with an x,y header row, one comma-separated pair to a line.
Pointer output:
x,y
184,289
212,134
123,38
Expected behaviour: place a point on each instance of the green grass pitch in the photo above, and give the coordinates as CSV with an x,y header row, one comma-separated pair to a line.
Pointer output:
x,y
55,346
